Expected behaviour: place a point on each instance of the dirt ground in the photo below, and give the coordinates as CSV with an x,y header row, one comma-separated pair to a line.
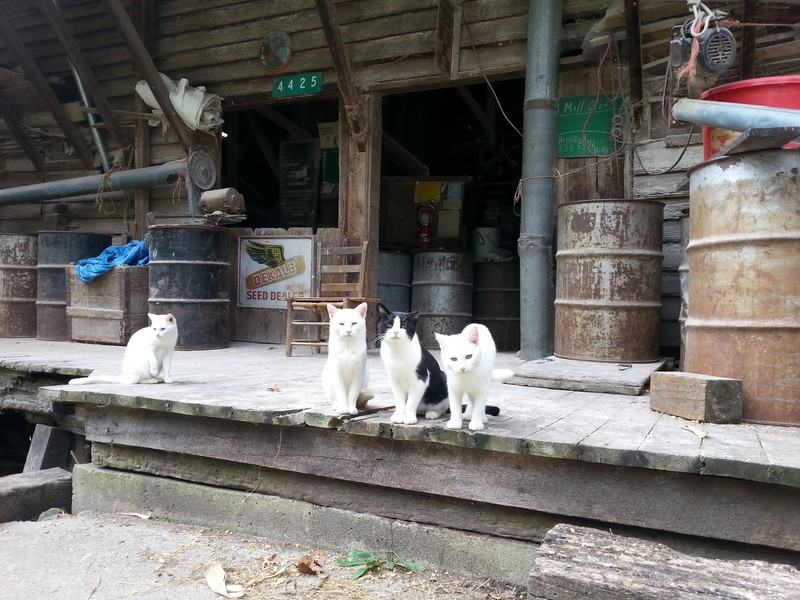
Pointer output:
x,y
110,557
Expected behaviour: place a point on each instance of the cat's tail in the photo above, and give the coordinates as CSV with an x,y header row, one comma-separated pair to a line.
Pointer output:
x,y
501,374
97,379
364,397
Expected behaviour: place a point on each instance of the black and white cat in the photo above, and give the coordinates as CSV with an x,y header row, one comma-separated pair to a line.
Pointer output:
x,y
468,359
418,384
148,355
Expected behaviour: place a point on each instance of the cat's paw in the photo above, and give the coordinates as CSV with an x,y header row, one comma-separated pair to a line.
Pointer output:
x,y
410,420
351,411
476,425
433,414
397,418
453,424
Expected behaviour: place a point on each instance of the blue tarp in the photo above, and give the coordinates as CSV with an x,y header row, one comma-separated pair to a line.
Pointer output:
x,y
133,253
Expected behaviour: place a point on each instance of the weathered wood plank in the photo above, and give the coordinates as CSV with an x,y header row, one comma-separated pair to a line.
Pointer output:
x,y
561,438
564,373
782,447
677,502
734,451
669,446
578,562
618,440
393,503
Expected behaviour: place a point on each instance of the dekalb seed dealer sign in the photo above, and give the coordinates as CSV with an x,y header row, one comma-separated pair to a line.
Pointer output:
x,y
273,269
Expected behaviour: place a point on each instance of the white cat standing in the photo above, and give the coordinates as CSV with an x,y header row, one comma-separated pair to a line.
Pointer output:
x,y
468,361
344,377
148,355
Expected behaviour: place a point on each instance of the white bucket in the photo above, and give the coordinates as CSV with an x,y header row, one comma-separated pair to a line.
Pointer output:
x,y
485,240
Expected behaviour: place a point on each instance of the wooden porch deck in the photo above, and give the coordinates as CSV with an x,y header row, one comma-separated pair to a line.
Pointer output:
x,y
248,417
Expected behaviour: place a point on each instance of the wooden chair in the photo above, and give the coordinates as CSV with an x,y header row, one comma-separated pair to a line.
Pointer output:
x,y
340,281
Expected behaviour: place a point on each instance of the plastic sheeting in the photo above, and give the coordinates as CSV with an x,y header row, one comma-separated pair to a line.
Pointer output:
x,y
133,253
198,108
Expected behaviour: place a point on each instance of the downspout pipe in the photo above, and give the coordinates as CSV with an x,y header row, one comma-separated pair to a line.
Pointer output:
x,y
540,140
733,116
198,171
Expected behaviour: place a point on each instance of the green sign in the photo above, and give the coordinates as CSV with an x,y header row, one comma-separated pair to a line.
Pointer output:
x,y
297,85
584,126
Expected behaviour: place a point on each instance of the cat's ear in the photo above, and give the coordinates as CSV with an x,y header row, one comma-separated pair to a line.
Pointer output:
x,y
362,309
152,317
382,309
170,317
472,335
332,310
442,339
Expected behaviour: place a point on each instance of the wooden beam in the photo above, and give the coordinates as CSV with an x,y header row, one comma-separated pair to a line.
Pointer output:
x,y
749,39
479,113
269,154
84,71
634,41
47,94
344,72
150,73
142,18
411,163
20,133
295,130
359,186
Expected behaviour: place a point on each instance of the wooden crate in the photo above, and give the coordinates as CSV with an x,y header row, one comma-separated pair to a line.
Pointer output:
x,y
109,309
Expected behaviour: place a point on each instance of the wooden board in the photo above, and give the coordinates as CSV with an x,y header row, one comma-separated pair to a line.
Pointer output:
x,y
579,562
568,374
109,309
677,502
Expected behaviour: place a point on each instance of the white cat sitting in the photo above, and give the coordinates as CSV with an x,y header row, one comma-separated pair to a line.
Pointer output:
x,y
148,355
344,377
468,361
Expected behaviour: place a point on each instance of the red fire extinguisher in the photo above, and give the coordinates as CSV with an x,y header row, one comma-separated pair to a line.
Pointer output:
x,y
424,226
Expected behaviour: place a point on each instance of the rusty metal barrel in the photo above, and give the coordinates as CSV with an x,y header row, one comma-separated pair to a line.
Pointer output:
x,y
18,259
441,289
608,280
394,279
495,302
57,249
744,291
190,278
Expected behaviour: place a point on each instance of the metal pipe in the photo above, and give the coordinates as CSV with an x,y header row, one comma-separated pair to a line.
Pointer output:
x,y
90,117
198,171
540,137
733,116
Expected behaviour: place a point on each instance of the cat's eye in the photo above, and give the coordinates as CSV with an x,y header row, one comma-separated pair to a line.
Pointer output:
x,y
453,358
468,356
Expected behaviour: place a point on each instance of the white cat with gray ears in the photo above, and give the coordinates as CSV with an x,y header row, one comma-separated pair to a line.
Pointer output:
x,y
344,377
468,361
148,355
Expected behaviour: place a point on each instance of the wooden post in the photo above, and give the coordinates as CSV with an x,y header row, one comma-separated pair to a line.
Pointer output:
x,y
359,186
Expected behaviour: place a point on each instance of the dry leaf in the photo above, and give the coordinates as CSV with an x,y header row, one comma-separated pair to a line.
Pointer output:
x,y
215,577
133,514
697,432
309,565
